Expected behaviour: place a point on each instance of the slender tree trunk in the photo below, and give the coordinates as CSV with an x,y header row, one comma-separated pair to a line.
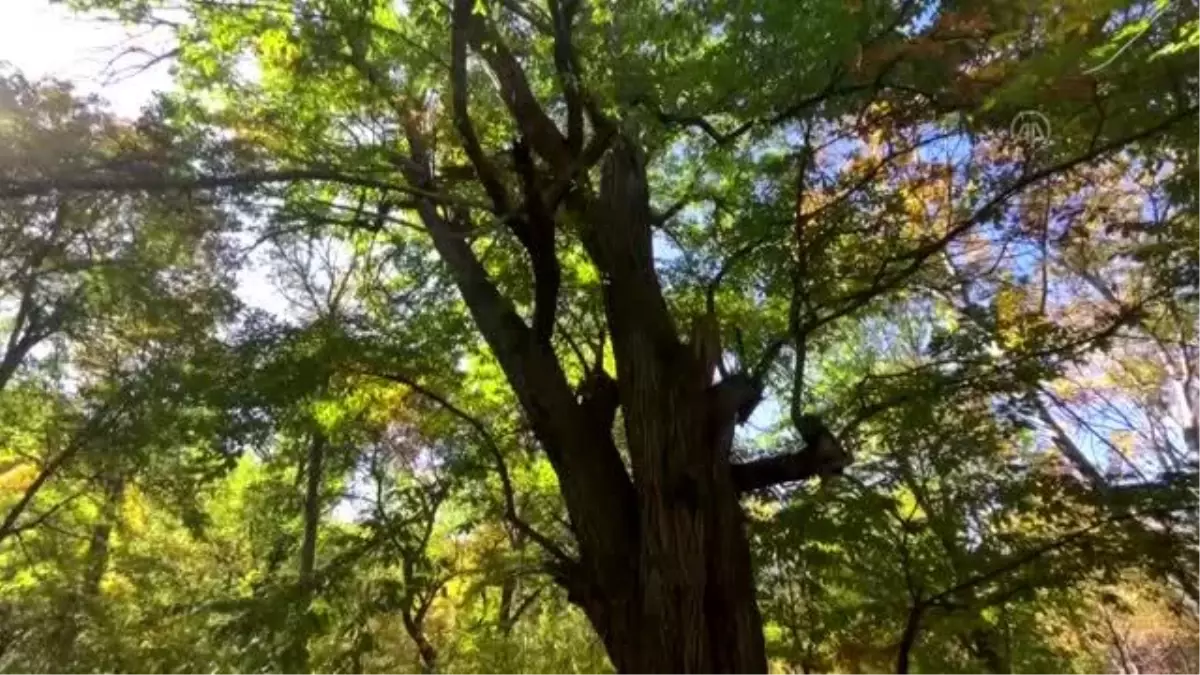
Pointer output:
x,y
83,600
1128,667
908,640
508,588
98,549
415,604
296,657
312,509
425,649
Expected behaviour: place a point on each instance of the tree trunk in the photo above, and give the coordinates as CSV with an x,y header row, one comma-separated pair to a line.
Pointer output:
x,y
691,607
98,549
295,658
312,509
663,569
426,652
908,640
83,600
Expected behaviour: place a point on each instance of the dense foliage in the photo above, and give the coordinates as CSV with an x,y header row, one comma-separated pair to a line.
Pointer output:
x,y
582,335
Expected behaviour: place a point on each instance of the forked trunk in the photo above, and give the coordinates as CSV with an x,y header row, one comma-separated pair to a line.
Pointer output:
x,y
691,605
663,564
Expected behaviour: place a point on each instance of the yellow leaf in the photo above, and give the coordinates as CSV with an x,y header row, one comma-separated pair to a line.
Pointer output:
x,y
18,478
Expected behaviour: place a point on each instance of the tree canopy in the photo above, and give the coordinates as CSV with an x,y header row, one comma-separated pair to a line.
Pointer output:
x,y
688,336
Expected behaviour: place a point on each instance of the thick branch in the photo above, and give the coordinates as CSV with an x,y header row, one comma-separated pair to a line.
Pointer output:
x,y
821,457
617,237
535,230
595,486
775,470
562,13
21,341
462,118
600,398
157,182
9,526
94,426
524,107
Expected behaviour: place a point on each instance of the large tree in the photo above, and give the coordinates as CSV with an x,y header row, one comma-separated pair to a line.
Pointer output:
x,y
629,197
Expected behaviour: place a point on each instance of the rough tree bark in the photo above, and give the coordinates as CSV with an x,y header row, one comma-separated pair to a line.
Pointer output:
x,y
663,570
